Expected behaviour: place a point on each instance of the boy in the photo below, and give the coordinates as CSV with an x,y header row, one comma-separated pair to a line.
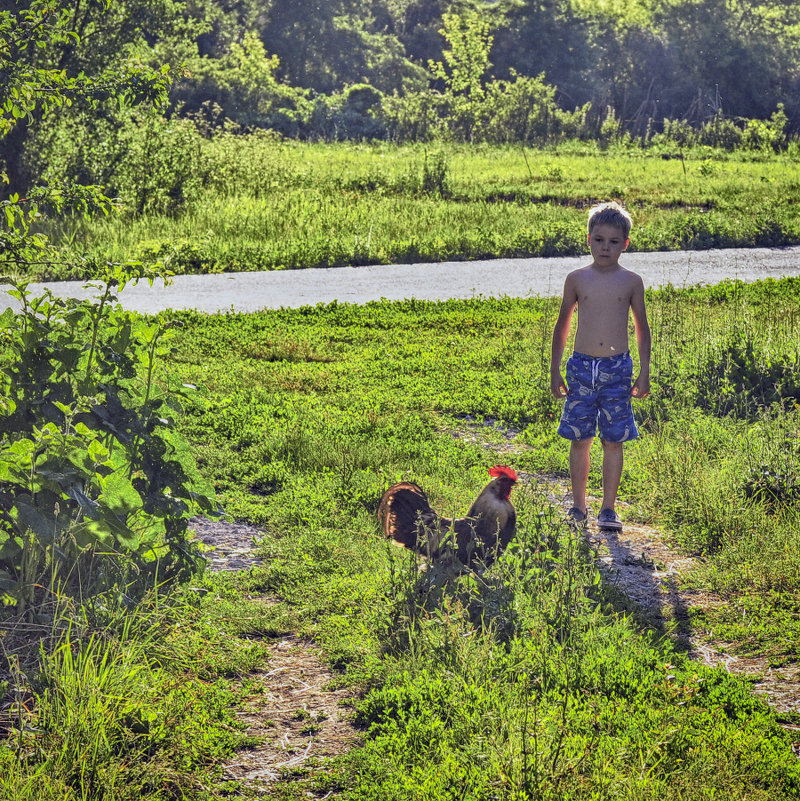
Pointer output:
x,y
598,389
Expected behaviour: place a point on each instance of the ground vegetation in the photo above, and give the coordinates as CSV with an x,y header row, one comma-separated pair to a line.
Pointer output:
x,y
123,664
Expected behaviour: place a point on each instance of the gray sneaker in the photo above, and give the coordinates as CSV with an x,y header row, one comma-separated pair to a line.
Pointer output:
x,y
577,517
609,519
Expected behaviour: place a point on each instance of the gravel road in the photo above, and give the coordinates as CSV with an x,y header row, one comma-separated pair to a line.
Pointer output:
x,y
253,291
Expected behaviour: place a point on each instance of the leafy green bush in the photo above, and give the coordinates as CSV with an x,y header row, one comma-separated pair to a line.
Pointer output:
x,y
242,82
351,115
95,486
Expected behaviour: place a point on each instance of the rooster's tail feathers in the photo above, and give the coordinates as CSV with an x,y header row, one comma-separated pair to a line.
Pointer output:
x,y
402,511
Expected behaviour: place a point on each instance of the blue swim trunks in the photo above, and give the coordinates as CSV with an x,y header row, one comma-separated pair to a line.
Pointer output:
x,y
598,397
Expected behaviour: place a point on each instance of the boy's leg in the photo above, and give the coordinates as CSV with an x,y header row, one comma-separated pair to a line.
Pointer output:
x,y
612,472
579,454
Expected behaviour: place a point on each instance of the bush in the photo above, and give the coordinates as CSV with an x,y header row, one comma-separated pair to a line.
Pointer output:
x,y
243,83
95,484
149,163
413,117
721,132
742,377
524,110
348,116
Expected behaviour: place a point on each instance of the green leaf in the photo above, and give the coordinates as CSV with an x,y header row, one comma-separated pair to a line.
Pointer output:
x,y
108,523
97,451
87,505
43,526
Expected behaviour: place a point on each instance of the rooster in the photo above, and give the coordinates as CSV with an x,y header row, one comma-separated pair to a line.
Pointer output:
x,y
407,518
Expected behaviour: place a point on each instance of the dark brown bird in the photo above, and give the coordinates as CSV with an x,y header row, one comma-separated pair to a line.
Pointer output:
x,y
407,518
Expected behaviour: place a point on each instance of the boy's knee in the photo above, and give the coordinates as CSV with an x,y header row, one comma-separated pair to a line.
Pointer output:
x,y
611,445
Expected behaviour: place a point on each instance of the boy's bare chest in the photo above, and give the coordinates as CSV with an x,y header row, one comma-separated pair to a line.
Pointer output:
x,y
601,291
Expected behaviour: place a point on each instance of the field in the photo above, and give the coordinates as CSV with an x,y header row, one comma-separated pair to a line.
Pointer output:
x,y
535,679
257,204
532,682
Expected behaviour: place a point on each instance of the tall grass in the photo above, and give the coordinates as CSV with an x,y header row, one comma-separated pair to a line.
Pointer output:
x,y
129,703
286,205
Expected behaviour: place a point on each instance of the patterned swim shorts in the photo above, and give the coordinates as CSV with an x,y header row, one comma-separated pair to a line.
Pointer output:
x,y
598,397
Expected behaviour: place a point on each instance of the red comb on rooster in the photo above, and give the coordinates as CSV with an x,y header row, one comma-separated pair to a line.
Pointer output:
x,y
406,516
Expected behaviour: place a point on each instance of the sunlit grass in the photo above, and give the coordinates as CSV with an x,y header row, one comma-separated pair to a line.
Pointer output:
x,y
268,205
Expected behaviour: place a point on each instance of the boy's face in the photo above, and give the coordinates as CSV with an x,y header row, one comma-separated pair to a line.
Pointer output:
x,y
607,242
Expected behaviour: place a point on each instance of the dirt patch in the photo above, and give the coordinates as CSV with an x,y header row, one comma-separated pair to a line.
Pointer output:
x,y
228,546
300,723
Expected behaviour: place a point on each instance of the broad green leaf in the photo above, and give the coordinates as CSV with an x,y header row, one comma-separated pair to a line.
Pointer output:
x,y
43,526
87,505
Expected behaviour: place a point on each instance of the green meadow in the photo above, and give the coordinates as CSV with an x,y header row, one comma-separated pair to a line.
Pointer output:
x,y
533,680
256,203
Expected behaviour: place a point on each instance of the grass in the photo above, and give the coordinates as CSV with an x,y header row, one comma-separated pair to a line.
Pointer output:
x,y
525,681
131,703
528,682
288,205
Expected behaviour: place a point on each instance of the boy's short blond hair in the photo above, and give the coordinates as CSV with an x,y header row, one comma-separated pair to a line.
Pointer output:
x,y
610,214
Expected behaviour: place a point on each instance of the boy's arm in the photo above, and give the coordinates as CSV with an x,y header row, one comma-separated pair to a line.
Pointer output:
x,y
641,387
560,336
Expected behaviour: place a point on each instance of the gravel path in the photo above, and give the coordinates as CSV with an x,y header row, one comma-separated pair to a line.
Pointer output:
x,y
253,291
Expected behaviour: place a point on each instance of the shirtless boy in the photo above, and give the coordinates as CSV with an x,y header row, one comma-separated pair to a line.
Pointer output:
x,y
598,386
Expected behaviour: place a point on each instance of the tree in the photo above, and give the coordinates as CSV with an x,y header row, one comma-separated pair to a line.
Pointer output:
x,y
544,36
465,69
325,45
55,54
740,55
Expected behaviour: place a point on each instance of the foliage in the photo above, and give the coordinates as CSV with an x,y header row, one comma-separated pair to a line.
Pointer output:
x,y
46,66
94,493
467,62
260,202
94,486
242,84
29,89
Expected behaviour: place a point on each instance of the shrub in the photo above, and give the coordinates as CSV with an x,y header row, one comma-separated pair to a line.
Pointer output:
x,y
721,132
95,484
524,110
348,116
741,377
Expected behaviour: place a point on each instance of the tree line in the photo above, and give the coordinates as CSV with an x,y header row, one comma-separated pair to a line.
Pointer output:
x,y
721,71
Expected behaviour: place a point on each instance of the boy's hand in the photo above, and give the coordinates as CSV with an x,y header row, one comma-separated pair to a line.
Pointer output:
x,y
557,386
641,387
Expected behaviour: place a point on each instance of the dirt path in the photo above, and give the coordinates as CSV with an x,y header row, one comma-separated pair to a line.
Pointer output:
x,y
640,563
649,573
299,721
